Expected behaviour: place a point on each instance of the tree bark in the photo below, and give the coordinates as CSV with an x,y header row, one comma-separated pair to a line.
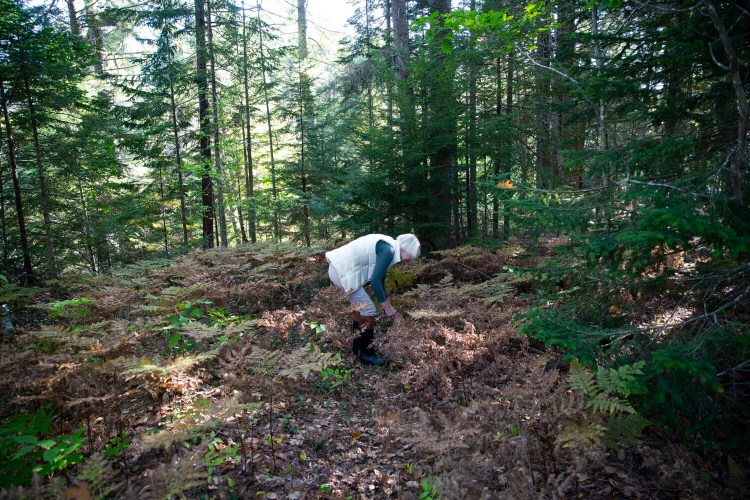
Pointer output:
x,y
249,182
43,193
443,132
471,185
207,191
739,90
216,135
276,228
177,152
75,29
2,205
17,189
302,31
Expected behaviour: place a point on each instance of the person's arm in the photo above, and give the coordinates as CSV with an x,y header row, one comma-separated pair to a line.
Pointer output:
x,y
383,259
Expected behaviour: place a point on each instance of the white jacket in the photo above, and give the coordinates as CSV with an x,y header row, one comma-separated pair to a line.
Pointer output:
x,y
355,261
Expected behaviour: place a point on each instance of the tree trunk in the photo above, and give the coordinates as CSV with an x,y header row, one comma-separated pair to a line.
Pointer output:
x,y
442,131
95,36
177,152
43,194
739,90
217,148
243,234
75,30
302,31
163,210
471,185
17,189
388,83
249,183
509,163
87,231
2,205
207,190
496,160
276,228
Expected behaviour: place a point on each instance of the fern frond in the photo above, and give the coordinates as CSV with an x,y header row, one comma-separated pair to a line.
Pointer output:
x,y
580,378
624,430
99,477
581,436
431,314
307,359
493,291
607,403
133,367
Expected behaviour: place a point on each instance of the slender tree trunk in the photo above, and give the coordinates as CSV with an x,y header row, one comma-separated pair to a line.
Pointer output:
x,y
2,204
17,189
471,191
43,193
388,83
163,210
207,190
443,133
88,233
739,90
243,234
249,183
75,30
95,35
302,31
276,228
217,148
509,163
498,148
177,152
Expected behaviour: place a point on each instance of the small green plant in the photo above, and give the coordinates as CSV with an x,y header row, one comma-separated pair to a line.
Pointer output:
x,y
335,376
115,447
24,450
187,312
324,488
218,452
410,469
71,308
317,327
428,491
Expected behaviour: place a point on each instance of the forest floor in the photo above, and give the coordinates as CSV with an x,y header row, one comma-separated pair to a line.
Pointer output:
x,y
229,373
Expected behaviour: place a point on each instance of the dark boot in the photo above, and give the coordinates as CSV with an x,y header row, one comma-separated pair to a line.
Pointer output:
x,y
367,354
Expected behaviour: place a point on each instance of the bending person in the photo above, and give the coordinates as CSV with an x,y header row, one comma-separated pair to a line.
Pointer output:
x,y
364,260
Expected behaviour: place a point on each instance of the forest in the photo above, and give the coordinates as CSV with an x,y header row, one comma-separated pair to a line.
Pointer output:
x,y
173,172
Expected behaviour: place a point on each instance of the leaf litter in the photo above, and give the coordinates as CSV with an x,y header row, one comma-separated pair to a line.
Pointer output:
x,y
253,400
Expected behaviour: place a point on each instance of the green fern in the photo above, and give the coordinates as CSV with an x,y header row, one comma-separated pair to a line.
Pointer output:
x,y
624,430
606,397
307,359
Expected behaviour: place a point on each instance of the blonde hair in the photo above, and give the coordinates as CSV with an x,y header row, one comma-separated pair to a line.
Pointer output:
x,y
410,243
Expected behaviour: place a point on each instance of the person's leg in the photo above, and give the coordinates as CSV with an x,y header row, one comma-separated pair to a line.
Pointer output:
x,y
364,318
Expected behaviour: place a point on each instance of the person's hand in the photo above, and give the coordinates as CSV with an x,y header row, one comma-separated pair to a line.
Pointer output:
x,y
390,311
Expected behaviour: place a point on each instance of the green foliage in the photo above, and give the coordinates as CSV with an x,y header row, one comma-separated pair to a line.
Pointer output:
x,y
116,446
606,394
336,376
69,309
26,447
217,453
428,490
398,279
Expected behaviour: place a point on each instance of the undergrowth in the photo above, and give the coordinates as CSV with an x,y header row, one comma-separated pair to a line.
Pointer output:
x,y
227,373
